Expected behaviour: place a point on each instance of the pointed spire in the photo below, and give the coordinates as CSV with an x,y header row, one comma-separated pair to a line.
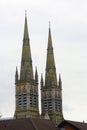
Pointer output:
x,y
26,72
50,76
36,75
16,75
26,36
60,82
49,38
41,80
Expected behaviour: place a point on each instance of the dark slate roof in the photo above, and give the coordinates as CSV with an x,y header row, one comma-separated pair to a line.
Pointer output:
x,y
75,124
27,124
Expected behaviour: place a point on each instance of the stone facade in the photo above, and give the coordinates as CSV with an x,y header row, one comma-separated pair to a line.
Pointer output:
x,y
51,91
26,86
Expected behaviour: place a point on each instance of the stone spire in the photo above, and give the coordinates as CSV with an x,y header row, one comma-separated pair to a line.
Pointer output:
x,y
51,92
50,75
60,82
26,35
16,75
41,80
26,72
27,86
36,75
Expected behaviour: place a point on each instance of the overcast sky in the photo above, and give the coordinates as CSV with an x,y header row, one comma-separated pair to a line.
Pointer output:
x,y
69,35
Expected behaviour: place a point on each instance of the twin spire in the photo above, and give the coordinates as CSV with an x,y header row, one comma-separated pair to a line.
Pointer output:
x,y
50,74
26,71
51,96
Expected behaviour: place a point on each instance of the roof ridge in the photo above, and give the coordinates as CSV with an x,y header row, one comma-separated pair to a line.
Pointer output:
x,y
76,121
33,123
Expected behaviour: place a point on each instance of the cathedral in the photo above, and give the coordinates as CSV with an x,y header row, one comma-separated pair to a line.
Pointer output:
x,y
26,85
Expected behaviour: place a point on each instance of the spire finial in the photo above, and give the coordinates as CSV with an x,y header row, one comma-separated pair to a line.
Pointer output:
x,y
26,35
49,37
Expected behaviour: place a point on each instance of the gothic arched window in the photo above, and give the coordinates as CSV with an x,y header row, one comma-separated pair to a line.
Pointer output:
x,y
31,97
24,98
45,103
56,99
19,99
35,101
50,103
59,104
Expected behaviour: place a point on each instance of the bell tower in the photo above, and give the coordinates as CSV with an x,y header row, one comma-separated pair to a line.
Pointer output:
x,y
51,90
26,85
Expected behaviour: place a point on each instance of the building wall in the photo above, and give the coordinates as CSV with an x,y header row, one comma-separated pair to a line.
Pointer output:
x,y
51,99
26,100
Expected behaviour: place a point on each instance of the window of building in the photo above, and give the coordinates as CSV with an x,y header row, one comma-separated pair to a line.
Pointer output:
x,y
45,104
31,101
59,107
31,97
55,105
19,99
35,101
19,104
59,104
50,103
24,99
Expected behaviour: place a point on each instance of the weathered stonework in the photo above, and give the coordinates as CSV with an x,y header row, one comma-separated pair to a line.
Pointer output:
x,y
26,86
51,91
